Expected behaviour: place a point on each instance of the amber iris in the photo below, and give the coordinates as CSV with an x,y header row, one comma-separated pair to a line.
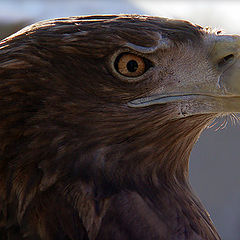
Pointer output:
x,y
130,65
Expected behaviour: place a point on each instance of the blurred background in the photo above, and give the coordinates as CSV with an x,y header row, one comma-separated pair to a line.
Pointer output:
x,y
215,160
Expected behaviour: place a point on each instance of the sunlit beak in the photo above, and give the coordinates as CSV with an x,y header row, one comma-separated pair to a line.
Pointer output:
x,y
227,55
223,93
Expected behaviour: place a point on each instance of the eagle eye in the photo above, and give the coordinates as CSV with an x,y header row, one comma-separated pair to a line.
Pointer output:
x,y
131,65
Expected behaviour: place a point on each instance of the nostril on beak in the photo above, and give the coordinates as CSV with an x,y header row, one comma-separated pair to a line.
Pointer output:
x,y
225,60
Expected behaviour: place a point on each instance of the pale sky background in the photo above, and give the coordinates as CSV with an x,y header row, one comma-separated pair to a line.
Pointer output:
x,y
219,14
215,161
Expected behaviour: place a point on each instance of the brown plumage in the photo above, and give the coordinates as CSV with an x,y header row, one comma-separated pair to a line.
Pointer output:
x,y
81,157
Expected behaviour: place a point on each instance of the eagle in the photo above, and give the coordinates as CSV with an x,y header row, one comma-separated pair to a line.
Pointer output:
x,y
98,117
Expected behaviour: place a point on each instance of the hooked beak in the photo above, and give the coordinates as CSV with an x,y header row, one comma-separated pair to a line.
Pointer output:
x,y
222,95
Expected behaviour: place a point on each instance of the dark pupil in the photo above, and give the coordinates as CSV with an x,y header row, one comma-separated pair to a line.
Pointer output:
x,y
132,66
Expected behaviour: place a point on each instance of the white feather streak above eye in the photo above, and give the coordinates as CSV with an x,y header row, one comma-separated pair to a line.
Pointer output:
x,y
163,43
